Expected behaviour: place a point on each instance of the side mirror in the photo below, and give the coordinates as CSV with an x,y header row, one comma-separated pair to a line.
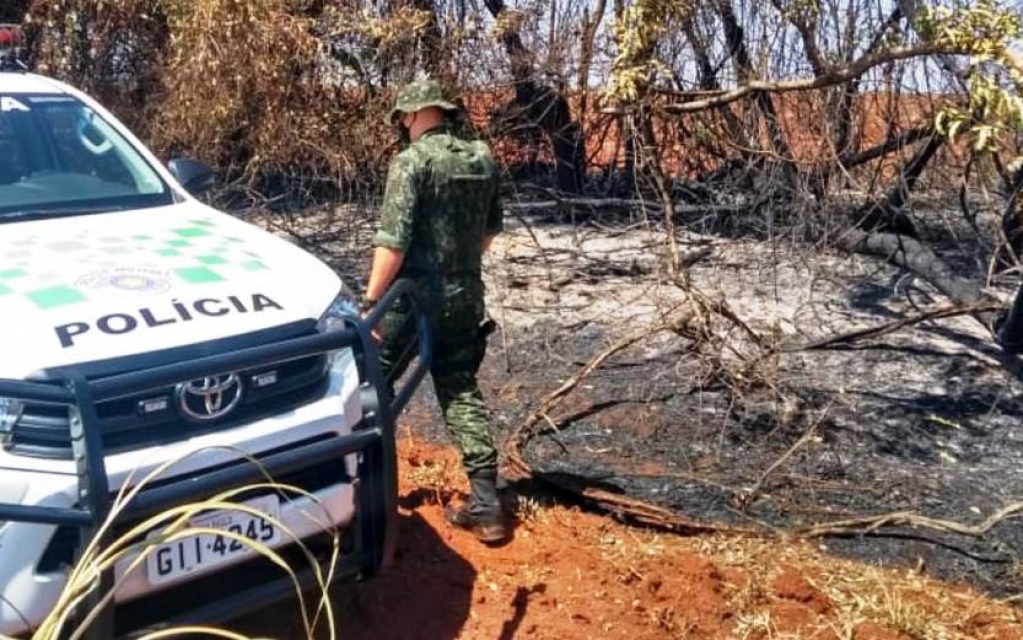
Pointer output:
x,y
196,177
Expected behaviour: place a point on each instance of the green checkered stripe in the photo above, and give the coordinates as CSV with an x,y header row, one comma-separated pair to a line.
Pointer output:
x,y
195,254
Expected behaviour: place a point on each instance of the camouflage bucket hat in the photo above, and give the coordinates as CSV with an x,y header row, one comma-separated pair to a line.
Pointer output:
x,y
417,95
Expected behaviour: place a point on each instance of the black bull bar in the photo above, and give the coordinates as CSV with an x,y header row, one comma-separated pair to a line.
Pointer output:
x,y
373,439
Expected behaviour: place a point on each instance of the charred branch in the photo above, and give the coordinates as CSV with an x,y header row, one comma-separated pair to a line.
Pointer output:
x,y
808,33
591,23
708,75
836,76
1011,250
852,337
890,145
909,518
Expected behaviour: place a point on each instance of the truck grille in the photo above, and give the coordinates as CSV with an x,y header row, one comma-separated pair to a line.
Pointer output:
x,y
60,553
153,418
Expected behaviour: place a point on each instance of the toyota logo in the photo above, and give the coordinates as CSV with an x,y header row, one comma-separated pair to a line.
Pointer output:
x,y
209,398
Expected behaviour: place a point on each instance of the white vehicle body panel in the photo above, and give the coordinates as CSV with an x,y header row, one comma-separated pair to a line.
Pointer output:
x,y
28,83
100,286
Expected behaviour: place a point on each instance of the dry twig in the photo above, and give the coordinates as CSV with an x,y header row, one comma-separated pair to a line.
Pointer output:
x,y
949,311
869,524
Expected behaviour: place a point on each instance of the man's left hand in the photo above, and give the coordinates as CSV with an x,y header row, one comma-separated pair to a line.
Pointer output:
x,y
373,331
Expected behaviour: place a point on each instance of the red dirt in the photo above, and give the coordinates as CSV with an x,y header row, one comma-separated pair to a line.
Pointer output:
x,y
568,574
791,585
874,631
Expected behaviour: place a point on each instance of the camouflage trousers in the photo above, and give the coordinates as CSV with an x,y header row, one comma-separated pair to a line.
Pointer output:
x,y
460,330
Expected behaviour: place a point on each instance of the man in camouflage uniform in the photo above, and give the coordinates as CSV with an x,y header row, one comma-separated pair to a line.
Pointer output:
x,y
441,210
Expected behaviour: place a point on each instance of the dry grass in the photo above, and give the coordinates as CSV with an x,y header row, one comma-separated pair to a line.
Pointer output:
x,y
531,511
677,628
909,604
903,601
754,624
714,586
433,476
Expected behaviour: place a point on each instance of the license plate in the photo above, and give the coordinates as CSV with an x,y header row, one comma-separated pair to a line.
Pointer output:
x,y
200,553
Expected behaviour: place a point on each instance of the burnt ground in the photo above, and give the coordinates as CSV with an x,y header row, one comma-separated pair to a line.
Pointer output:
x,y
923,420
949,449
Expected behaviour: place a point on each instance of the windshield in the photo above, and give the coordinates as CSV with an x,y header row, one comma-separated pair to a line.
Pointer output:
x,y
59,157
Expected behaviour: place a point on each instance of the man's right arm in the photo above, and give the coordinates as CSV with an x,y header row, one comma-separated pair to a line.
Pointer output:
x,y
395,232
399,205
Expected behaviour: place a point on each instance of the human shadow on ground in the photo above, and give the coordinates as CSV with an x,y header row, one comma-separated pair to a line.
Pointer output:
x,y
520,604
425,594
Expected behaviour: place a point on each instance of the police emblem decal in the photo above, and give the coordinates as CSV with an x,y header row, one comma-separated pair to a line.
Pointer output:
x,y
130,279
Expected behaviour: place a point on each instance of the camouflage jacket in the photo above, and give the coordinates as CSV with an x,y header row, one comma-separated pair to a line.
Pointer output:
x,y
440,202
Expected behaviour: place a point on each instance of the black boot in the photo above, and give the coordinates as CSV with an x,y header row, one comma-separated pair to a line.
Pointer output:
x,y
482,515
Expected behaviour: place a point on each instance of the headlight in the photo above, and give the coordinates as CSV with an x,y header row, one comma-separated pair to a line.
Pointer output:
x,y
335,318
343,308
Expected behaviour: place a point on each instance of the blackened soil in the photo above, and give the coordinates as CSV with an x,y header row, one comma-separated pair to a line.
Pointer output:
x,y
894,429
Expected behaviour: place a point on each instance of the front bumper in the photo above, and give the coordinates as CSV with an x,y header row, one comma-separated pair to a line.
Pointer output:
x,y
30,594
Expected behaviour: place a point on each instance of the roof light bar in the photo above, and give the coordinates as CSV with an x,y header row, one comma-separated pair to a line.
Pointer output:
x,y
10,41
10,38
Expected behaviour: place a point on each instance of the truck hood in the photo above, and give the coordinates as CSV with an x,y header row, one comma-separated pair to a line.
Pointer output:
x,y
89,288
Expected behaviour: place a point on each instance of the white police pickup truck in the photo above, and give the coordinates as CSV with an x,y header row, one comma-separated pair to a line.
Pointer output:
x,y
138,325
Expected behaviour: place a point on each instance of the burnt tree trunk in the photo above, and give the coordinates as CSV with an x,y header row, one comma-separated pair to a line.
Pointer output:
x,y
844,119
886,231
591,24
910,175
545,107
890,145
890,214
432,40
1010,330
708,78
1012,225
917,257
736,41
